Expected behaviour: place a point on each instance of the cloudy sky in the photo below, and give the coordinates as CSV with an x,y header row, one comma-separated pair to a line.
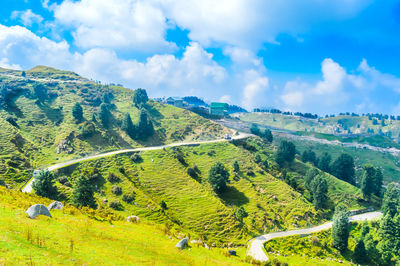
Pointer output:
x,y
318,56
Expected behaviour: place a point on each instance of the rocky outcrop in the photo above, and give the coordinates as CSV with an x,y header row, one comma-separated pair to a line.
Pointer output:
x,y
183,243
36,210
55,205
133,219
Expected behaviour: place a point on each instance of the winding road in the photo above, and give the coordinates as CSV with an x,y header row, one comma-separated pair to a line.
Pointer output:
x,y
28,187
256,249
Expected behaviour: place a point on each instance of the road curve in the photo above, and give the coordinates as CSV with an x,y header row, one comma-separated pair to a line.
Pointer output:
x,y
256,249
28,187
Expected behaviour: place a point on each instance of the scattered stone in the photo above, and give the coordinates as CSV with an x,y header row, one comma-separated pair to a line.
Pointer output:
x,y
37,209
232,252
183,243
206,246
55,205
133,219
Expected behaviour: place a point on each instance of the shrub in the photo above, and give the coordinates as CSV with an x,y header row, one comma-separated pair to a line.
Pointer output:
x,y
136,158
163,205
88,129
128,198
116,205
113,178
192,173
116,190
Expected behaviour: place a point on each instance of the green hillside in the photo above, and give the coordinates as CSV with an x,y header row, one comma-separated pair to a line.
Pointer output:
x,y
191,203
88,237
343,125
36,133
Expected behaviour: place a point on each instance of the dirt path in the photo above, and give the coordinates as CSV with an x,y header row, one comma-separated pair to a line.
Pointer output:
x,y
256,249
28,187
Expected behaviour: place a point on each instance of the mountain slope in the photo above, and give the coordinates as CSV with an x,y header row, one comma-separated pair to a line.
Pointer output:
x,y
36,133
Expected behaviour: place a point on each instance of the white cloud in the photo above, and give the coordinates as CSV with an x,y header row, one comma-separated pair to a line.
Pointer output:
x,y
27,17
161,74
338,89
249,23
117,24
20,47
253,92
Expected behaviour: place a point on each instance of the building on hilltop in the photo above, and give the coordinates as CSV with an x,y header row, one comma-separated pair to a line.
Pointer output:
x,y
219,109
176,101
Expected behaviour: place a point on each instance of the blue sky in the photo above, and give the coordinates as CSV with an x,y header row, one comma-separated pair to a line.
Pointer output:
x,y
309,55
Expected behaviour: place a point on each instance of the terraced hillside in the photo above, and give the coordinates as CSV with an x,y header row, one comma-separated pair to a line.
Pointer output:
x,y
36,132
192,205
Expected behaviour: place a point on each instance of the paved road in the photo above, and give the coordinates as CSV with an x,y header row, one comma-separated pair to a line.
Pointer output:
x,y
285,133
256,249
28,186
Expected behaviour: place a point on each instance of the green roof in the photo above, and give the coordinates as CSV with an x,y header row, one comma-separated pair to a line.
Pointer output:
x,y
219,105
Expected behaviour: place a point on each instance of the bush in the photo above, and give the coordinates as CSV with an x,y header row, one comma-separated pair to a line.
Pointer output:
x,y
136,158
128,198
88,129
113,178
163,205
116,205
116,190
192,173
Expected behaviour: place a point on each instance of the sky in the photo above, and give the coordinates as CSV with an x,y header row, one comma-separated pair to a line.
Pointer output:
x,y
318,56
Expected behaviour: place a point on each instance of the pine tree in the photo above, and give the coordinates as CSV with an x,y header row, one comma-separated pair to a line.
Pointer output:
x,y
343,168
340,228
140,97
285,153
390,202
129,127
104,115
325,162
378,182
82,194
145,126
43,185
77,112
320,191
360,254
268,135
368,180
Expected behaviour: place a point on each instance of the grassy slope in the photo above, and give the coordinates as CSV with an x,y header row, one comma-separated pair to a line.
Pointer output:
x,y
270,202
71,237
317,247
43,126
357,125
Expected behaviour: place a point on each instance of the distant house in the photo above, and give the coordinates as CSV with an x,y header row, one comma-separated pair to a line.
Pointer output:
x,y
159,100
176,101
219,109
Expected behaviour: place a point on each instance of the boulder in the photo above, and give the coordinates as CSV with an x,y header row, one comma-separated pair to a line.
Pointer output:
x,y
133,219
37,209
55,205
183,243
232,252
